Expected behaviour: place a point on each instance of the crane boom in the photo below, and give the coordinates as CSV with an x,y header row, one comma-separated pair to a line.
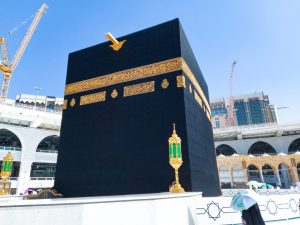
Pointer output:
x,y
5,66
4,60
28,36
231,110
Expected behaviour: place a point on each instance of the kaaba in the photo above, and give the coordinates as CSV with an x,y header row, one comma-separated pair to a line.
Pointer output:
x,y
119,110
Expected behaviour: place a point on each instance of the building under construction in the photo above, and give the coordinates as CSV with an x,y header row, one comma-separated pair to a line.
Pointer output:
x,y
253,108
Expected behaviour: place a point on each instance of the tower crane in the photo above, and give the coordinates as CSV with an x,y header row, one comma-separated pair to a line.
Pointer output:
x,y
8,67
231,109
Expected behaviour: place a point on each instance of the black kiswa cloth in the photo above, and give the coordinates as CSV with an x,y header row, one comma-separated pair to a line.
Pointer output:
x,y
119,145
252,216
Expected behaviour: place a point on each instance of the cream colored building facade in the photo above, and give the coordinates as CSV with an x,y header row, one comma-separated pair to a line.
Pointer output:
x,y
266,153
237,171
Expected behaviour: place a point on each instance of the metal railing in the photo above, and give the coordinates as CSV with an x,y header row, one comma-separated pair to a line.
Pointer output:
x,y
267,127
232,192
10,148
42,178
25,106
47,150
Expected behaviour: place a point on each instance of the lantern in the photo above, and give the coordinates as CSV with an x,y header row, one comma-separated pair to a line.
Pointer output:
x,y
6,170
175,160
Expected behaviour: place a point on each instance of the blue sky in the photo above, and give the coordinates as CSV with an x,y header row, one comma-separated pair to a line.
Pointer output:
x,y
262,35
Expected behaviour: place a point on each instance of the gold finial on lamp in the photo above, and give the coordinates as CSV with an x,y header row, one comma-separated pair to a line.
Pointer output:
x,y
175,160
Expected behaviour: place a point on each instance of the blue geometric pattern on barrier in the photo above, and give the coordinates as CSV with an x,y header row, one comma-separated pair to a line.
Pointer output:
x,y
214,210
272,207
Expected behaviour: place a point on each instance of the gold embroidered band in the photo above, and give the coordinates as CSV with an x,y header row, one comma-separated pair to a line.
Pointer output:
x,y
198,99
150,70
137,73
138,89
93,98
194,81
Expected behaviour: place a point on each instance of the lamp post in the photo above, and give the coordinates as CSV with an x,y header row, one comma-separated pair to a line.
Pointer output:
x,y
175,160
6,170
37,89
235,117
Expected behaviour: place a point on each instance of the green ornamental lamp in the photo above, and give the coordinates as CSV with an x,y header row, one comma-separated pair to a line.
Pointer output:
x,y
175,160
6,170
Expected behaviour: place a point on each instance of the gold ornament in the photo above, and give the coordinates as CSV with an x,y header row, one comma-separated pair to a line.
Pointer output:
x,y
73,102
114,93
117,45
191,90
165,84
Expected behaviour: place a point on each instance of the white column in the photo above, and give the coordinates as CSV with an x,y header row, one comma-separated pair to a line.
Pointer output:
x,y
24,177
261,176
296,177
31,139
246,178
231,178
278,177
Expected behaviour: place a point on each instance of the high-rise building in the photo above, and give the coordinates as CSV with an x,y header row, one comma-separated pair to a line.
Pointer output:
x,y
251,108
219,111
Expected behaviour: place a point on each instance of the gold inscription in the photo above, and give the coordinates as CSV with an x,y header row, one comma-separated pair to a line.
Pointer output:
x,y
65,104
125,76
93,98
138,89
180,81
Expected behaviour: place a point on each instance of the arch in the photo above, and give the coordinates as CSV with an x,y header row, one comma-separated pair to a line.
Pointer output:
x,y
294,146
284,164
224,176
269,174
253,173
225,150
284,175
9,140
260,148
49,144
269,166
42,169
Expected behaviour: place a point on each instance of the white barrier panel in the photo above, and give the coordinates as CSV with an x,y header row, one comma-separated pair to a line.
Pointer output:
x,y
149,209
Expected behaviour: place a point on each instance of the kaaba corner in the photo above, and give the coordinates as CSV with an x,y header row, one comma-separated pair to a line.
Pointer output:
x,y
121,100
